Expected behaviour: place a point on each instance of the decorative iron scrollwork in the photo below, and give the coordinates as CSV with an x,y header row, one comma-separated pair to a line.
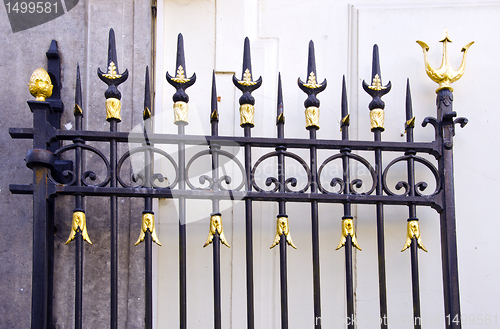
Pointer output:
x,y
420,186
219,181
89,174
291,181
355,183
139,178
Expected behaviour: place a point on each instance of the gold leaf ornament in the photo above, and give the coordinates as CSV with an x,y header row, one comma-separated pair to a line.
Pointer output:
x,y
216,227
348,229
282,228
148,223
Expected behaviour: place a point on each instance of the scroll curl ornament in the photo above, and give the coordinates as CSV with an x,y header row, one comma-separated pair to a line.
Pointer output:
x,y
420,186
291,181
71,175
352,185
204,179
140,177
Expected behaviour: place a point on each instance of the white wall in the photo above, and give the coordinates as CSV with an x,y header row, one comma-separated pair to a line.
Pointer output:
x,y
344,35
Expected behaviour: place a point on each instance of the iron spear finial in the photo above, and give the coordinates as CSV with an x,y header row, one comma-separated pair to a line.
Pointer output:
x,y
376,90
344,124
78,92
214,112
113,78
247,85
180,82
146,114
280,115
311,88
444,75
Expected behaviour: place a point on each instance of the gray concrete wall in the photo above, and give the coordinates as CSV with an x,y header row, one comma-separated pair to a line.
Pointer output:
x,y
82,36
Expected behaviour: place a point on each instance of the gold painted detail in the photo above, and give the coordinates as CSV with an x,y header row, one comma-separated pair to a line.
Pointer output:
x,y
181,112
214,115
216,227
247,79
282,228
78,109
148,223
444,75
180,77
112,74
377,117
312,116
281,117
376,83
79,223
146,114
410,123
40,85
247,113
345,121
113,109
413,231
311,81
348,228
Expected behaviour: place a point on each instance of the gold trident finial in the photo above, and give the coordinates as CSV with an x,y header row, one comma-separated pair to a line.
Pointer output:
x,y
445,75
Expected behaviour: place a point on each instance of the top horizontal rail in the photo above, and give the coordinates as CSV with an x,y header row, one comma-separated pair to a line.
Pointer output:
x,y
123,137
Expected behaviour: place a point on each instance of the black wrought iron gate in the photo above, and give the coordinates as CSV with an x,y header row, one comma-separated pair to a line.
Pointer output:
x,y
53,176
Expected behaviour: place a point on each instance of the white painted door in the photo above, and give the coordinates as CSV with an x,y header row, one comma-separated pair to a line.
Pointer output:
x,y
344,34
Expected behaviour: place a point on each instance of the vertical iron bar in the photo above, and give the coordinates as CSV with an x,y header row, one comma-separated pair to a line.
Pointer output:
x,y
315,232
248,230
247,112
349,283
347,210
214,122
380,235
217,288
148,204
284,286
417,319
412,210
181,99
376,106
312,88
280,123
113,115
149,279
182,231
114,229
78,280
78,206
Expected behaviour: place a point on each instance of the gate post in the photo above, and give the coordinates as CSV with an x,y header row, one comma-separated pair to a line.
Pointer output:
x,y
41,161
445,113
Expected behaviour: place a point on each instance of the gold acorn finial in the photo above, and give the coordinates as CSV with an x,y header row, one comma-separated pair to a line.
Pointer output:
x,y
40,85
444,75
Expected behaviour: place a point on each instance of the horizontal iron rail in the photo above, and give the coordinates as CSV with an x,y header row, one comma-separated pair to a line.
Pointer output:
x,y
432,201
123,137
